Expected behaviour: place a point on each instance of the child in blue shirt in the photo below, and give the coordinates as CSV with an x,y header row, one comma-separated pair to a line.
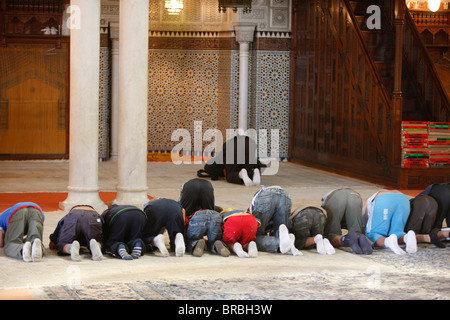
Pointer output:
x,y
387,212
22,219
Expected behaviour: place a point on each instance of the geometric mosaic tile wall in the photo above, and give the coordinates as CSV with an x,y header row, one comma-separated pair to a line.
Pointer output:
x,y
268,94
194,69
183,88
272,95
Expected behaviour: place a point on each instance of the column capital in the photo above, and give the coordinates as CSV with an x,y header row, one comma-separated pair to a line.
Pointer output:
x,y
244,31
114,30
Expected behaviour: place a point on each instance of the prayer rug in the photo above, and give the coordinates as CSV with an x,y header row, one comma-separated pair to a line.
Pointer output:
x,y
167,157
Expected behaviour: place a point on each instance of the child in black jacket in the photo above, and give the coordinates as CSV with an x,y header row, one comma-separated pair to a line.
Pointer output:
x,y
164,214
123,231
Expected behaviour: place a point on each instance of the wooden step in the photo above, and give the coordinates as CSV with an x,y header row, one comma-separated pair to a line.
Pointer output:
x,y
382,53
377,38
386,69
359,7
362,21
410,106
388,83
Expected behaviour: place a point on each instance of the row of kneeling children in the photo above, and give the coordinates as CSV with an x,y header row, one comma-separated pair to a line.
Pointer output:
x,y
194,224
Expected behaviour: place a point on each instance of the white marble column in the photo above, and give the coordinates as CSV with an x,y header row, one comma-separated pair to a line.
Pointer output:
x,y
114,91
84,106
133,109
244,35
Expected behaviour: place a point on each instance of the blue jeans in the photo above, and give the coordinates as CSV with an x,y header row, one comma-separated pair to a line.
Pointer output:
x,y
204,223
272,206
389,216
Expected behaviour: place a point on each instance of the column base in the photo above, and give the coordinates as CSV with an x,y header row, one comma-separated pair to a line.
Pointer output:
x,y
83,198
134,198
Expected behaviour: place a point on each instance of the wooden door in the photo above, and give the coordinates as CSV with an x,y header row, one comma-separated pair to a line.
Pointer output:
x,y
33,101
33,125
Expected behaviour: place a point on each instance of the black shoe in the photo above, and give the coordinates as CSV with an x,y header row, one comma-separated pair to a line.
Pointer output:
x,y
434,238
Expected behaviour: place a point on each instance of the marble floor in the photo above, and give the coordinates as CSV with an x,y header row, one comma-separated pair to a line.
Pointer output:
x,y
305,185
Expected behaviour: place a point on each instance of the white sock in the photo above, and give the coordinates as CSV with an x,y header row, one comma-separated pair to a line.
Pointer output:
x,y
328,247
95,250
158,241
36,250
294,250
285,241
392,243
237,248
244,176
26,252
411,242
180,247
320,246
74,250
252,249
256,177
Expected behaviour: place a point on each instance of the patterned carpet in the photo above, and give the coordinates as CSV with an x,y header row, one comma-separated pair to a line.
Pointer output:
x,y
424,275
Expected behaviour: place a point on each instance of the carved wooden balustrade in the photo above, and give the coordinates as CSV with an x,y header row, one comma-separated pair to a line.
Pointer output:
x,y
31,19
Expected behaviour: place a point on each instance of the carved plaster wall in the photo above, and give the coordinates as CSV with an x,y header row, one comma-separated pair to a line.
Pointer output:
x,y
203,15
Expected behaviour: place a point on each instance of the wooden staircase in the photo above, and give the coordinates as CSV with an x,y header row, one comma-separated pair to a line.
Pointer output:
x,y
353,86
381,46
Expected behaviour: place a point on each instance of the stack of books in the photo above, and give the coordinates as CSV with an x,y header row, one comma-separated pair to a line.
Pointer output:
x,y
439,144
415,151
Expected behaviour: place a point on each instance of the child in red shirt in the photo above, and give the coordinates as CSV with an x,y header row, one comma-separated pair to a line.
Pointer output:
x,y
239,232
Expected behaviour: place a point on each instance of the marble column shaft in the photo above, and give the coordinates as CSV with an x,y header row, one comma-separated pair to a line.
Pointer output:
x,y
133,106
114,98
244,35
84,106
